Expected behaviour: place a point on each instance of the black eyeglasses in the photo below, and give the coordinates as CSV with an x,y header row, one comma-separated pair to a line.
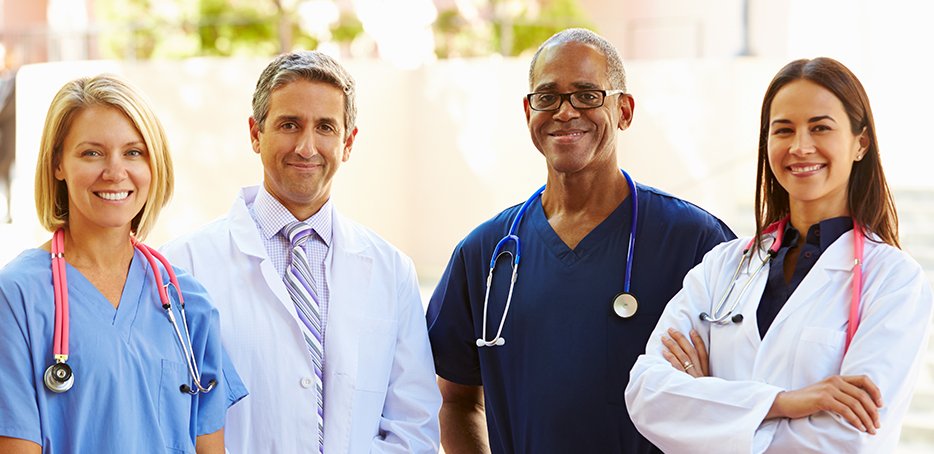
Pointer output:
x,y
580,100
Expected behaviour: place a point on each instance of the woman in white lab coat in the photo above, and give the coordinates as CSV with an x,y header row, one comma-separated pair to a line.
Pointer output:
x,y
780,365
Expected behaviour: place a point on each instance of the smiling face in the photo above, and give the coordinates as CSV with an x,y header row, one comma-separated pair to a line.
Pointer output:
x,y
811,148
573,140
302,144
104,164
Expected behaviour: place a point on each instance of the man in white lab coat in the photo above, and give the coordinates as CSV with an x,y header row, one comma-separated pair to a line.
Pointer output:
x,y
358,338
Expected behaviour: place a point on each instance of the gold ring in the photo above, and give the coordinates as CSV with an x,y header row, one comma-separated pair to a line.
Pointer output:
x,y
687,365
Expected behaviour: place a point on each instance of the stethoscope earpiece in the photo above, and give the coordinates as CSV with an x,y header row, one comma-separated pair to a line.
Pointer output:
x,y
58,378
499,342
185,389
721,313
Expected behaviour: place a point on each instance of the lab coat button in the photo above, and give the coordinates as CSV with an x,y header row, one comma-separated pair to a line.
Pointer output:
x,y
307,382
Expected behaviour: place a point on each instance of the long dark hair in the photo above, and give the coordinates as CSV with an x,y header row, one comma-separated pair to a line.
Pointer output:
x,y
868,197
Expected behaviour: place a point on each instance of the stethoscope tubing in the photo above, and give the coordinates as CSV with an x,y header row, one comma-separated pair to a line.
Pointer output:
x,y
62,319
632,231
152,256
513,236
719,317
60,339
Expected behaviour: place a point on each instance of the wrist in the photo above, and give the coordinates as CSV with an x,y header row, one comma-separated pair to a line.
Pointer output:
x,y
776,410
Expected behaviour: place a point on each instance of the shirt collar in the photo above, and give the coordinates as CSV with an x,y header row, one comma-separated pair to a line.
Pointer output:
x,y
822,234
272,217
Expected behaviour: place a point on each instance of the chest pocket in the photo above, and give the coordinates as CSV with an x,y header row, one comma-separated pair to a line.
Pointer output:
x,y
818,355
175,412
375,352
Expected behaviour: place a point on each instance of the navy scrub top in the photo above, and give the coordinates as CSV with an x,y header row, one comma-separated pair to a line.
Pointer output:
x,y
557,384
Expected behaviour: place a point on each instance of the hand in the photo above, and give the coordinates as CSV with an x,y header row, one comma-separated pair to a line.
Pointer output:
x,y
687,355
855,397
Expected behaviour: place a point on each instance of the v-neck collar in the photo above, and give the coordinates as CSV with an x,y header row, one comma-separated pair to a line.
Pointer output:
x,y
82,291
619,218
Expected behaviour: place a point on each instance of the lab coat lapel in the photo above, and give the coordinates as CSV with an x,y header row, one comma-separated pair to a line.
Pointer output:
x,y
349,281
836,259
247,240
750,302
350,271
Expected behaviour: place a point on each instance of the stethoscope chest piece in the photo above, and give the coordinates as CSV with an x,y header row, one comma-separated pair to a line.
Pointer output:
x,y
625,305
59,378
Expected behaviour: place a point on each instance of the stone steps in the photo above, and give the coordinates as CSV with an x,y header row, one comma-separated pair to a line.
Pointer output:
x,y
916,225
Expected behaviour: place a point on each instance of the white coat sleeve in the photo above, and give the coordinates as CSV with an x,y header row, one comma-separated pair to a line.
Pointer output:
x,y
681,414
409,423
888,347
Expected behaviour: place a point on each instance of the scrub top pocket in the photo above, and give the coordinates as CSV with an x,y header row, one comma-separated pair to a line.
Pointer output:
x,y
174,407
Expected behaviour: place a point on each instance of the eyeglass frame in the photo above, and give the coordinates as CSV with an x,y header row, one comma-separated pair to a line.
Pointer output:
x,y
569,96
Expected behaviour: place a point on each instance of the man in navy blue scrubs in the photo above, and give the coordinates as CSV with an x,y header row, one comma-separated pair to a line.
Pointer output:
x,y
556,384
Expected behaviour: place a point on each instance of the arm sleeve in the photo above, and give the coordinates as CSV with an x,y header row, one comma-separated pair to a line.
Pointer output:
x,y
409,423
451,326
888,347
19,410
681,414
209,409
717,232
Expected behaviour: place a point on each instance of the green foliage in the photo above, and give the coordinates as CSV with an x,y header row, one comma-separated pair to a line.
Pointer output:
x,y
347,29
144,29
529,33
244,29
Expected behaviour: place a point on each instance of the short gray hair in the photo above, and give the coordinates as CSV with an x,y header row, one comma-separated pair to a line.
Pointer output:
x,y
614,65
312,66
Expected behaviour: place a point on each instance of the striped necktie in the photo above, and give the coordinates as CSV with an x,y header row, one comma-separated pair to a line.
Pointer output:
x,y
303,290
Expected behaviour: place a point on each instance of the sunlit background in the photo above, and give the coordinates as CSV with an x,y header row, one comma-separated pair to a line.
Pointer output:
x,y
443,144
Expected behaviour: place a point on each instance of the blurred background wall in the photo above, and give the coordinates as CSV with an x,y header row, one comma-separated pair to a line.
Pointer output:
x,y
443,143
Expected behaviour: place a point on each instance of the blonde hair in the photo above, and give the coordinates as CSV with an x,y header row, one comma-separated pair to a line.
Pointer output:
x,y
107,91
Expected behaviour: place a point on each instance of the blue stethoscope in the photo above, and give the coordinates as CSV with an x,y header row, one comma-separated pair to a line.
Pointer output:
x,y
624,303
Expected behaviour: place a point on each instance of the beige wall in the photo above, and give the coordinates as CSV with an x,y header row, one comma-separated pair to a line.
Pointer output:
x,y
445,147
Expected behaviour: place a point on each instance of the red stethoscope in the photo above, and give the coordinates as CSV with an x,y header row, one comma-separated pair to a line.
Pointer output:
x,y
59,377
721,315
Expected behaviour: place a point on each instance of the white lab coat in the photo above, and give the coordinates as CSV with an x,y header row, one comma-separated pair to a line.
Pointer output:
x,y
379,380
805,344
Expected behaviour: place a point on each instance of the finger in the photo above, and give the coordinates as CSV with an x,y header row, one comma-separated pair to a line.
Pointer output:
x,y
866,384
671,359
857,401
866,402
675,349
844,410
701,352
683,342
688,348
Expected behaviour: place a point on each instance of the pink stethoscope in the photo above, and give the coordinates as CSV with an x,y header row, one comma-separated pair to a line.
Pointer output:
x,y
778,228
58,377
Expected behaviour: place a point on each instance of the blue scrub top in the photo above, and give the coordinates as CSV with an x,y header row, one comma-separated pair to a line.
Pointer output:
x,y
557,384
127,362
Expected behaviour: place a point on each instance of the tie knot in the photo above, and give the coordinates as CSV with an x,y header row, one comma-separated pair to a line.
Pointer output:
x,y
298,233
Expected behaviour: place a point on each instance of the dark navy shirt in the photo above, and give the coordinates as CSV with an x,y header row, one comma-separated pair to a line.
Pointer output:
x,y
557,384
820,236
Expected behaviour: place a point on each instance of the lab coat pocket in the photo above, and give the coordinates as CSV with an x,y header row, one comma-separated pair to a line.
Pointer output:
x,y
175,408
818,355
375,352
